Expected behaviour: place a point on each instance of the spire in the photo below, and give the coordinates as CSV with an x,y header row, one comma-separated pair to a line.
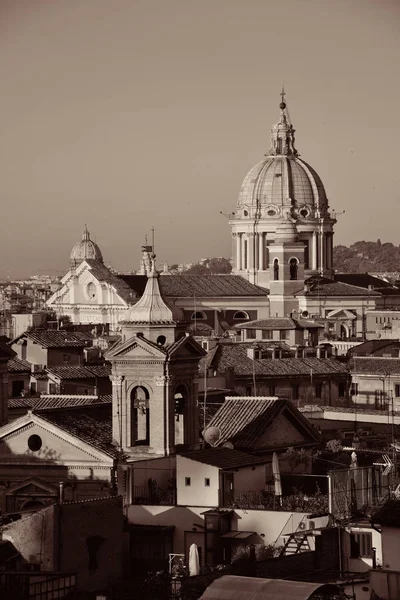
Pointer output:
x,y
282,133
152,308
86,234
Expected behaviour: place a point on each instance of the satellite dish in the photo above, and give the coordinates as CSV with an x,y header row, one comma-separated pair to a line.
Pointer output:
x,y
212,435
228,445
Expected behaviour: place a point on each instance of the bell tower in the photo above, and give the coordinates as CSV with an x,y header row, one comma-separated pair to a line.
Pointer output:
x,y
154,376
286,256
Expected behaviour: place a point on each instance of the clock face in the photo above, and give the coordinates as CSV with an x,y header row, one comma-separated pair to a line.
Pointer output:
x,y
91,291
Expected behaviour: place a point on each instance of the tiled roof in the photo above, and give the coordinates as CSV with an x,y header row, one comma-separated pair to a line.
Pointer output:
x,y
5,351
389,514
244,420
200,286
77,372
366,280
273,323
52,401
326,287
52,338
122,288
17,365
223,458
372,346
94,428
228,356
375,365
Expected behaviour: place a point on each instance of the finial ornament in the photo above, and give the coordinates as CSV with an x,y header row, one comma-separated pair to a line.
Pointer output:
x,y
282,105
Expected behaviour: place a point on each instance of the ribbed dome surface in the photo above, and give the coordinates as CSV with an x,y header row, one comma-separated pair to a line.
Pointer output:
x,y
282,181
86,249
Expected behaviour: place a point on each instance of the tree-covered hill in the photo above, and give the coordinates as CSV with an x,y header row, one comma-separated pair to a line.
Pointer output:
x,y
362,257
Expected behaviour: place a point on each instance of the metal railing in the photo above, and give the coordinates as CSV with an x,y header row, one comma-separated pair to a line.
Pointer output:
x,y
22,585
153,495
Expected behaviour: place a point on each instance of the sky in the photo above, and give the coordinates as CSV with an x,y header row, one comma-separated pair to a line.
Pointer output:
x,y
133,114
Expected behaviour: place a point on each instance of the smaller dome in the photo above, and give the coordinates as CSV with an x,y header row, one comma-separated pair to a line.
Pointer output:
x,y
286,231
86,249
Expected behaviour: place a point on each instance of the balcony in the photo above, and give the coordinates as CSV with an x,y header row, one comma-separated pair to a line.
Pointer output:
x,y
154,496
264,500
36,585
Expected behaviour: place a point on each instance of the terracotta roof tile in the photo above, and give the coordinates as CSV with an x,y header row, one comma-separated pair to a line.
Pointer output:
x,y
200,286
335,288
375,365
234,355
17,365
52,338
53,401
273,323
93,428
223,458
78,372
244,420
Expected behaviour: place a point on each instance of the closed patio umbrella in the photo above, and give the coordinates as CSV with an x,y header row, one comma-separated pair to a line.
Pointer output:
x,y
194,562
277,476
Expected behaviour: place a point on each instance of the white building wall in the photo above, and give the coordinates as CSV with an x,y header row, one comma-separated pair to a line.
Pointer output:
x,y
197,492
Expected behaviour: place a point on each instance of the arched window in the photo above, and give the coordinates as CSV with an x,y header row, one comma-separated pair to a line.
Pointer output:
x,y
239,315
276,269
293,267
140,417
199,316
180,397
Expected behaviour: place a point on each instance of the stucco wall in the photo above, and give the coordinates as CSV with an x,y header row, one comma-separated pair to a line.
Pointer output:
x,y
391,548
197,492
33,537
269,523
91,535
250,478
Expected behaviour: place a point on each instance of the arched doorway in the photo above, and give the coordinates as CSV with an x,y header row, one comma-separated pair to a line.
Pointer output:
x,y
180,397
140,416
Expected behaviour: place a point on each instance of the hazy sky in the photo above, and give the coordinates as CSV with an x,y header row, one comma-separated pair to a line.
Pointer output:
x,y
131,113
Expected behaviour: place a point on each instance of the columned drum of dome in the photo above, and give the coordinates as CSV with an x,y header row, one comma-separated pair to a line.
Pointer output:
x,y
282,185
86,249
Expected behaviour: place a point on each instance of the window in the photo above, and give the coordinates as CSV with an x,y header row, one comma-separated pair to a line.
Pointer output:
x,y
66,358
188,481
342,389
266,334
240,315
140,416
199,316
250,334
34,443
284,334
276,269
271,390
161,340
207,482
397,390
361,545
295,392
245,254
293,268
354,389
318,390
17,388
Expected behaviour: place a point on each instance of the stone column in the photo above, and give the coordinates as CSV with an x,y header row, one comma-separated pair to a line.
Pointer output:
x,y
244,239
261,252
314,251
238,251
322,251
256,251
250,251
119,412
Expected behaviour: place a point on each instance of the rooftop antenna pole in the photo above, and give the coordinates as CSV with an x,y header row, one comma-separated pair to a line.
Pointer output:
x,y
152,238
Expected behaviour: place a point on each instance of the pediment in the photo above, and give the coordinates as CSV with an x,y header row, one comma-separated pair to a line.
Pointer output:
x,y
136,348
52,444
33,487
341,313
188,347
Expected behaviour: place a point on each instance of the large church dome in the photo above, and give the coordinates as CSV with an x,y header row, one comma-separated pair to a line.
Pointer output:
x,y
282,182
86,249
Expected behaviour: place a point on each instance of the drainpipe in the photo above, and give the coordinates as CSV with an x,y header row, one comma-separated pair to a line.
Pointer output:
x,y
61,494
340,552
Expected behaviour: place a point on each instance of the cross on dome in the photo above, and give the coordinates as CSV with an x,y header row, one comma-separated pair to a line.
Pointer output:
x,y
282,133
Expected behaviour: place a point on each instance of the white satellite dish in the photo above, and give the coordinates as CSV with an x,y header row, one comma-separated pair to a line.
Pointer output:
x,y
211,435
228,445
